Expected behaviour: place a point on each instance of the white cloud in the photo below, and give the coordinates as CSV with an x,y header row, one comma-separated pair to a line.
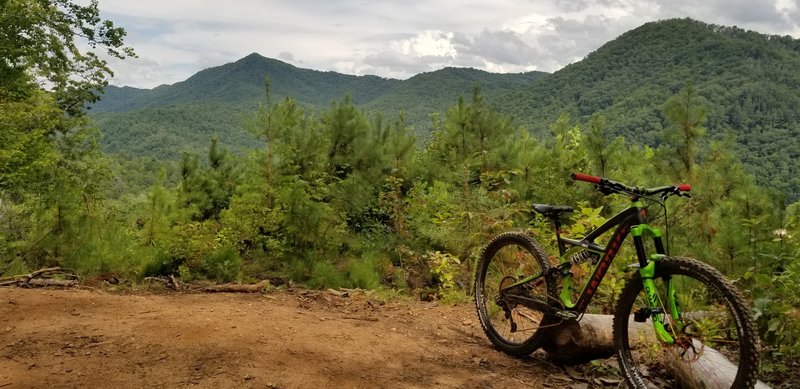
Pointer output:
x,y
427,43
177,38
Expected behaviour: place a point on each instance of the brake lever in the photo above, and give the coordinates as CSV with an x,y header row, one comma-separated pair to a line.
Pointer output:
x,y
674,192
604,189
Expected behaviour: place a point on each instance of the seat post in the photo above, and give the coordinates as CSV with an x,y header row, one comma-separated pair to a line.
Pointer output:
x,y
557,224
554,212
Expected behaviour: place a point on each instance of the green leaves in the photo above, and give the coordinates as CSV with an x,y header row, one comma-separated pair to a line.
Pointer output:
x,y
38,40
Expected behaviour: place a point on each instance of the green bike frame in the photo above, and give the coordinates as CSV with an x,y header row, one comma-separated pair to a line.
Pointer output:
x,y
633,221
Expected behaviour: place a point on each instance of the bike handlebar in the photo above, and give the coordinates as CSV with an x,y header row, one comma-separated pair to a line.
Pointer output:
x,y
607,187
586,178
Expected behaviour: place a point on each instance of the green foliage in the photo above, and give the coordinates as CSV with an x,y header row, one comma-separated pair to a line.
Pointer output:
x,y
206,191
365,272
777,315
159,262
686,113
222,265
15,267
26,148
445,268
38,40
325,275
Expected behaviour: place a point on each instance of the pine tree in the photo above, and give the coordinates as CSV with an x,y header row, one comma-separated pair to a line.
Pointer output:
x,y
686,113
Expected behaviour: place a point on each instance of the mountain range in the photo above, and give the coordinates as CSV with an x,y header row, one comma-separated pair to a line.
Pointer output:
x,y
750,83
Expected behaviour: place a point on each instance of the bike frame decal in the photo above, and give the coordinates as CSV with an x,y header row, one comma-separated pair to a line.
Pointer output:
x,y
602,268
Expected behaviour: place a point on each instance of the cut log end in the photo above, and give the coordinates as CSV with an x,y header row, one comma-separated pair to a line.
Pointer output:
x,y
577,342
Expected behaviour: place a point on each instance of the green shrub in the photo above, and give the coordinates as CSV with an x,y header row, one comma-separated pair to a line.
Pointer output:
x,y
162,263
16,267
364,272
222,264
325,275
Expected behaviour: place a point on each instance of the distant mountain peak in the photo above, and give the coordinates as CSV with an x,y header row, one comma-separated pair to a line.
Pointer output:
x,y
253,55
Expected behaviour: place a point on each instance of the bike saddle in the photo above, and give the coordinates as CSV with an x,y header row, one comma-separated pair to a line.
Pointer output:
x,y
552,211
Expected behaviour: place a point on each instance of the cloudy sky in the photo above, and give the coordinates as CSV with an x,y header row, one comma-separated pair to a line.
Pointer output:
x,y
176,38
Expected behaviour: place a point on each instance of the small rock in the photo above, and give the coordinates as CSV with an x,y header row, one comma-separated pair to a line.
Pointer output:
x,y
248,377
479,361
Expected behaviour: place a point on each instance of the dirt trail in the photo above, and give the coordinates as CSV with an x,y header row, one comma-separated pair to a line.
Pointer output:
x,y
287,339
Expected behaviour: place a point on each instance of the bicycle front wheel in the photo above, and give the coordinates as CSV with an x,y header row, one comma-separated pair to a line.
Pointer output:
x,y
513,328
714,343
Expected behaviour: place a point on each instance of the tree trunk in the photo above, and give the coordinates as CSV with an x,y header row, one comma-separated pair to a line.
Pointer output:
x,y
592,338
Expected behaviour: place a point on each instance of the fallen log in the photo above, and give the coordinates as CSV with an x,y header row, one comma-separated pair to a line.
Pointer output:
x,y
51,282
577,342
40,278
591,338
237,288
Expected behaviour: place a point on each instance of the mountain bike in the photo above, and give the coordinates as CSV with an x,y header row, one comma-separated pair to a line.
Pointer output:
x,y
673,313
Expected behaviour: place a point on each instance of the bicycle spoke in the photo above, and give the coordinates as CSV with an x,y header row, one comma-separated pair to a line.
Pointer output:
x,y
509,259
707,346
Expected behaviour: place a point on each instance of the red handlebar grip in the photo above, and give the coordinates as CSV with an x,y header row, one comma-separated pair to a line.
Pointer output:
x,y
586,178
684,187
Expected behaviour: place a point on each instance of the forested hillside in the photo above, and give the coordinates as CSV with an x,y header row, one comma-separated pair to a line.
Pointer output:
x,y
749,81
426,93
241,84
173,118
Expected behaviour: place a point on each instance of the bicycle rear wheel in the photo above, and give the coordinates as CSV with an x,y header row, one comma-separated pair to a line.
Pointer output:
x,y
513,328
715,340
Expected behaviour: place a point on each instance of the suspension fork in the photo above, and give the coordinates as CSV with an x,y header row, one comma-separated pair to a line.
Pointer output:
x,y
647,271
657,314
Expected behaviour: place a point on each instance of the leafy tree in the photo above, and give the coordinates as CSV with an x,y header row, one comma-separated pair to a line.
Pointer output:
x,y
51,164
38,41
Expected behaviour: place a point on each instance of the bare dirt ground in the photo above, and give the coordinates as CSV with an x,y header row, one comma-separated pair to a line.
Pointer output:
x,y
280,339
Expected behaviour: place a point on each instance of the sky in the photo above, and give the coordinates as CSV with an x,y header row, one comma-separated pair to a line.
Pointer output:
x,y
398,39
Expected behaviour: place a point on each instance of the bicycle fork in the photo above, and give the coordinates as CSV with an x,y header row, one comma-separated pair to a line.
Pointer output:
x,y
647,269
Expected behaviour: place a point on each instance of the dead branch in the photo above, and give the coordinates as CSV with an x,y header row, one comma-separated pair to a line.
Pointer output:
x,y
42,277
237,288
